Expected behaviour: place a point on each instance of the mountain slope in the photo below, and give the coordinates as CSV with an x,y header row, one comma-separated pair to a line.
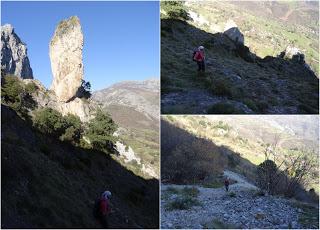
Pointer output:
x,y
47,183
218,209
192,194
134,106
269,26
248,138
236,79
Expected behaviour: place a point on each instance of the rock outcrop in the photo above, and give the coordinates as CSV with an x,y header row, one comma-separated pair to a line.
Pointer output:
x,y
14,58
293,53
66,59
232,31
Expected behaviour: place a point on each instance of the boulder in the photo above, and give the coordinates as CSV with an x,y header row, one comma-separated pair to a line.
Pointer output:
x,y
232,31
66,59
293,53
14,58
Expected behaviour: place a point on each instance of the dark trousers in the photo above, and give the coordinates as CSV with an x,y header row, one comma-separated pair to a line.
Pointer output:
x,y
201,66
104,221
227,188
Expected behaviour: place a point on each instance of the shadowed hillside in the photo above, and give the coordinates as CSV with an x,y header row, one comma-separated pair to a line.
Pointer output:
x,y
236,80
46,183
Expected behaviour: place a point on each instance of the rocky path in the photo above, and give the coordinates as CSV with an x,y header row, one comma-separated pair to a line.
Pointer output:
x,y
244,210
198,100
195,101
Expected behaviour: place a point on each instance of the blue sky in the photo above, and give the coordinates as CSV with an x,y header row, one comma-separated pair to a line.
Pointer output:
x,y
121,39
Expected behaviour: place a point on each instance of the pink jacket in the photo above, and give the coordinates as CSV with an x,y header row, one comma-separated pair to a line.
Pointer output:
x,y
199,56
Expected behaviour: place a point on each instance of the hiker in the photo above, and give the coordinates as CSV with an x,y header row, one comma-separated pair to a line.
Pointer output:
x,y
226,184
199,57
102,208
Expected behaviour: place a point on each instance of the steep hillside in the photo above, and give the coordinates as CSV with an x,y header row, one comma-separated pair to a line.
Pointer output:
x,y
46,183
249,138
198,153
237,80
269,26
134,106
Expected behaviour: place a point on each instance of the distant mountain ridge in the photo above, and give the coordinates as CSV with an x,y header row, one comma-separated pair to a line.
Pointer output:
x,y
139,95
134,106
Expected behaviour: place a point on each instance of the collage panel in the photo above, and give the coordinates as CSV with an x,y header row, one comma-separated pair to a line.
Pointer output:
x,y
160,114
239,172
80,115
239,57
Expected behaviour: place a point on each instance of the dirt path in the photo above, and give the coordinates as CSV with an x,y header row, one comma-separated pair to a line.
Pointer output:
x,y
240,208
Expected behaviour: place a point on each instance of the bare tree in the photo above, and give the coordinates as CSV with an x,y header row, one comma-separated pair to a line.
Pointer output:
x,y
284,174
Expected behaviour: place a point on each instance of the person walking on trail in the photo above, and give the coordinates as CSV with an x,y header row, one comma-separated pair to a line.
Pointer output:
x,y
102,208
226,184
199,57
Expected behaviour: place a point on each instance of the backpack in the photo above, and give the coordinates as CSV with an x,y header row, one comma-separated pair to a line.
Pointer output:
x,y
194,54
96,208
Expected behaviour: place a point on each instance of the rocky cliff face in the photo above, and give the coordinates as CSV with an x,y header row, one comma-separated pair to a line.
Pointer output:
x,y
83,108
66,59
14,58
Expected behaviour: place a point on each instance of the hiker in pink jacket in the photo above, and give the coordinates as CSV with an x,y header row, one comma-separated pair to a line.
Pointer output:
x,y
199,57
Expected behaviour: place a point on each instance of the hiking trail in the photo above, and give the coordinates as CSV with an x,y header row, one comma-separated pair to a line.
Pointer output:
x,y
239,208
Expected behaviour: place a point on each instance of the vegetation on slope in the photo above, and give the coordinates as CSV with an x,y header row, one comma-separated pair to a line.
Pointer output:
x,y
294,169
54,167
267,29
232,82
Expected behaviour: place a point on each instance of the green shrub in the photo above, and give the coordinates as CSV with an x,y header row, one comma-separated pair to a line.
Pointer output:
x,y
266,176
222,125
16,95
50,121
175,10
74,129
31,88
85,90
100,131
172,190
182,203
224,108
190,191
221,87
250,103
232,194
11,89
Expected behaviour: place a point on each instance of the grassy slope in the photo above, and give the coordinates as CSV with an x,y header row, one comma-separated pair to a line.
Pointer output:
x,y
141,135
267,33
276,87
50,184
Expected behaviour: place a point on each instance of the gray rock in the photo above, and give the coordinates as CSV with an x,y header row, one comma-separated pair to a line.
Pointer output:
x,y
232,31
14,58
66,59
